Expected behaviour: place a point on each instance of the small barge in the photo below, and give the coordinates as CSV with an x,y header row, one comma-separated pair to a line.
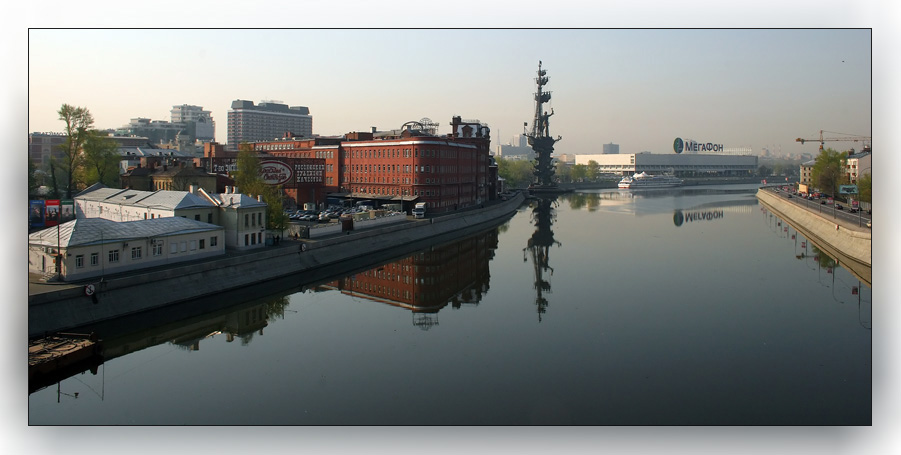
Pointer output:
x,y
47,356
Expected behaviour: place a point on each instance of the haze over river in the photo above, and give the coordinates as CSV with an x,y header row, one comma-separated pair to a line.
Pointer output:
x,y
690,306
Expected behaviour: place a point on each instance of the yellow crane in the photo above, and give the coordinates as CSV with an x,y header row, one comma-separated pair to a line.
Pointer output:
x,y
843,137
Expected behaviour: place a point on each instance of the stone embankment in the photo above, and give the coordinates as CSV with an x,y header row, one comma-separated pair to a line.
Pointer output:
x,y
850,244
67,307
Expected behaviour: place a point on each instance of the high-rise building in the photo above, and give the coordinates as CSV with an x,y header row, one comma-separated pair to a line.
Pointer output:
x,y
611,149
43,146
266,121
203,125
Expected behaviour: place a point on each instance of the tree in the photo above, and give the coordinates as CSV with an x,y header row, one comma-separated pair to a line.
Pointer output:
x,y
32,178
248,181
865,188
827,171
763,171
517,173
247,176
100,160
593,170
78,124
580,172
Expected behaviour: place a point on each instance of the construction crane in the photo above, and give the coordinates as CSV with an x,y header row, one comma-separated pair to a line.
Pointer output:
x,y
844,137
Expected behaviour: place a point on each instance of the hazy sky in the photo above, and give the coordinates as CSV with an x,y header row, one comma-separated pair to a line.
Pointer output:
x,y
638,88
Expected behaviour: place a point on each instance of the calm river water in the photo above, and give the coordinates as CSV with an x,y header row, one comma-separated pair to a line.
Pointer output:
x,y
692,306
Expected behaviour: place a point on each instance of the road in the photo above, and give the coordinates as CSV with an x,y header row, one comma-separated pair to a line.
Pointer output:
x,y
844,218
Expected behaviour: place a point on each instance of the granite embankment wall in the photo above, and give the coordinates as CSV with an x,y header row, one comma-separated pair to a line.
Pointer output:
x,y
850,245
70,307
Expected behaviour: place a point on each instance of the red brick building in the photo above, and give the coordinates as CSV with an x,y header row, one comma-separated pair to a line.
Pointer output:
x,y
402,166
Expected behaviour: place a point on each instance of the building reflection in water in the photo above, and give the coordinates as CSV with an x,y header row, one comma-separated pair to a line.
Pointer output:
x,y
425,282
543,215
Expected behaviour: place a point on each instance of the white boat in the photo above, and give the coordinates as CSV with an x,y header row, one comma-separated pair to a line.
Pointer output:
x,y
645,180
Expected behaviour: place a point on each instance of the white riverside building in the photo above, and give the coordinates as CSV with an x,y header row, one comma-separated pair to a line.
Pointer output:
x,y
117,230
93,247
682,165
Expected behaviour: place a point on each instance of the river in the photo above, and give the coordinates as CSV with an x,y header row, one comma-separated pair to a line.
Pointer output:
x,y
689,306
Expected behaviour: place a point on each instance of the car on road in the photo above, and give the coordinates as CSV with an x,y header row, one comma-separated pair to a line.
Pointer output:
x,y
789,196
839,207
822,202
853,210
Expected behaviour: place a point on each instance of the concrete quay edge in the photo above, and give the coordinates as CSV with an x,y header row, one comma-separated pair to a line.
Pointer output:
x,y
849,243
66,306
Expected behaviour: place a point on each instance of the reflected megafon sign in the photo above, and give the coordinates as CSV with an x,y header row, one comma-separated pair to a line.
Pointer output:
x,y
689,145
680,217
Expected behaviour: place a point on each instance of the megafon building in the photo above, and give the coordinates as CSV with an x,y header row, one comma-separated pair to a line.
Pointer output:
x,y
690,158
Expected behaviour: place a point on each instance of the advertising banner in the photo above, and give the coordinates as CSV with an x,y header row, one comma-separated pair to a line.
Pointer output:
x,y
51,212
67,210
36,213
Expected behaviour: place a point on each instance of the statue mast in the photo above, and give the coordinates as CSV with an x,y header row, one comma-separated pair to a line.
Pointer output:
x,y
540,137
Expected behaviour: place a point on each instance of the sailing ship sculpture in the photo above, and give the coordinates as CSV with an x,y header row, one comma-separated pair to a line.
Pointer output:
x,y
540,138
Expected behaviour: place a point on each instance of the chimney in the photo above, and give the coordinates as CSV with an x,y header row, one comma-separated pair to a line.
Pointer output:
x,y
192,189
373,130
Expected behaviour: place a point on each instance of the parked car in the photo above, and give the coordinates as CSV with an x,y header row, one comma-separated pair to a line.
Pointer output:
x,y
853,209
839,207
822,202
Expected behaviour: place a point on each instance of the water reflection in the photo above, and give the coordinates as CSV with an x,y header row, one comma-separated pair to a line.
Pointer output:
x,y
845,285
425,282
543,215
132,334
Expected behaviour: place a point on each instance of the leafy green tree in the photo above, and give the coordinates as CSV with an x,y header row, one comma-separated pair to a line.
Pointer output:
x,y
78,122
763,171
100,160
580,172
564,172
827,172
865,188
593,170
249,181
517,173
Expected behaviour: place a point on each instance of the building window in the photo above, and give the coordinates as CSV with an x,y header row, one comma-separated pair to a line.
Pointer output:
x,y
79,261
214,241
193,245
184,246
246,240
197,217
246,220
136,252
95,258
158,249
202,244
209,218
173,248
114,256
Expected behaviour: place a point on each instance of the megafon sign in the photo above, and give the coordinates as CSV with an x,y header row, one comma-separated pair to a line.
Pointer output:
x,y
689,145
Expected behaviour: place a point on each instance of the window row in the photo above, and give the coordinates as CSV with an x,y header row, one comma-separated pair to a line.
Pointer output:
x,y
156,249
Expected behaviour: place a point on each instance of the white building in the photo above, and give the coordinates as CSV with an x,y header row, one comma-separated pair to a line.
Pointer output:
x,y
94,247
243,217
685,165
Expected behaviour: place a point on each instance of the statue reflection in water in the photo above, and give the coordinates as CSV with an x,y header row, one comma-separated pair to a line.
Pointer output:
x,y
543,214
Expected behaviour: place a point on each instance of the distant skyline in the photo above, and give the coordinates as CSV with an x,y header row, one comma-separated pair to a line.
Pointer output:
x,y
637,88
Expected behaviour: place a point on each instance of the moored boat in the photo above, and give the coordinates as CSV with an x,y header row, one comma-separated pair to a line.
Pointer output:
x,y
645,180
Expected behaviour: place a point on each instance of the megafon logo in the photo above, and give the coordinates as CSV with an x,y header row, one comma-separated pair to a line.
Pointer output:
x,y
677,145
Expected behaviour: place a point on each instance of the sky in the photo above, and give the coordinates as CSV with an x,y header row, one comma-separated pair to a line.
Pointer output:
x,y
639,88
